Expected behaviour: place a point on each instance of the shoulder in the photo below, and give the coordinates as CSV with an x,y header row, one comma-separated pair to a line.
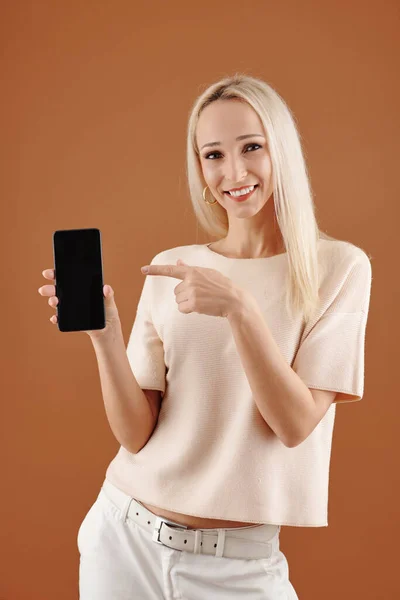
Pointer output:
x,y
340,257
171,255
346,276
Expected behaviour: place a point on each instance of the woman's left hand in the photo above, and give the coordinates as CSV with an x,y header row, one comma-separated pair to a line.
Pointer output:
x,y
202,290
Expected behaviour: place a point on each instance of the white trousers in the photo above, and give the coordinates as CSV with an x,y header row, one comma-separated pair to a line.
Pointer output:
x,y
120,561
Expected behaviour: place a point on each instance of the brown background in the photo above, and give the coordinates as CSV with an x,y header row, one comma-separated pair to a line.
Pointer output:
x,y
95,100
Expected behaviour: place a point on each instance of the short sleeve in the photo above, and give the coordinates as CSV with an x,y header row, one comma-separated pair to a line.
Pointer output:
x,y
331,352
145,349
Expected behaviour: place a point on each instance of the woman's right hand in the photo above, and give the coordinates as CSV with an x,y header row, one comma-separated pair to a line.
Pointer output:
x,y
112,316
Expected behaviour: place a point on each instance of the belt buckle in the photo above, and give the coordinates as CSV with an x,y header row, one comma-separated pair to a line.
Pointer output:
x,y
157,528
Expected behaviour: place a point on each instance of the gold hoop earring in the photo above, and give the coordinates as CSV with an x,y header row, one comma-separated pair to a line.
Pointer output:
x,y
205,199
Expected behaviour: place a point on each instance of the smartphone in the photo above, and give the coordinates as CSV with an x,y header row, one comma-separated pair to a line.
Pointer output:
x,y
79,279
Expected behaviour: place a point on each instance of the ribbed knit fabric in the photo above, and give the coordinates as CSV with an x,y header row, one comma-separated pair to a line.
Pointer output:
x,y
210,454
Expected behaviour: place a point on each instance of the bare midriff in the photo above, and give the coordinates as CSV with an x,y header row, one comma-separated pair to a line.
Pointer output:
x,y
192,522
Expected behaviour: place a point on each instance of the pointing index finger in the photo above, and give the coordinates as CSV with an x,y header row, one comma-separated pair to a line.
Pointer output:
x,y
178,272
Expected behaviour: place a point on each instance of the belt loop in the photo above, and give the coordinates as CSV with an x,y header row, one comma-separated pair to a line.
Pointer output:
x,y
126,508
221,542
275,542
197,541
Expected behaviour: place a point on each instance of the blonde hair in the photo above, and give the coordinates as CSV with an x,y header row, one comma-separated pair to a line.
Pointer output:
x,y
293,199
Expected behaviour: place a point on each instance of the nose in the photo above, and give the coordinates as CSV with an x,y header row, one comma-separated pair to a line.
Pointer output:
x,y
235,169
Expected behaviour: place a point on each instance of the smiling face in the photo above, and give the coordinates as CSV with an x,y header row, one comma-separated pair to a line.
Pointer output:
x,y
229,163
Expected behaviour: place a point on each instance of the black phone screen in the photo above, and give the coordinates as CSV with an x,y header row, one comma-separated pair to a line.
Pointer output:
x,y
79,279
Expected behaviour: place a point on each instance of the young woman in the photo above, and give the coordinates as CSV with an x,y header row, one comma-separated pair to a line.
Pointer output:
x,y
224,400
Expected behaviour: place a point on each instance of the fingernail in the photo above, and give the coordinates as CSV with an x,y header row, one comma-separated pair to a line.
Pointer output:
x,y
145,269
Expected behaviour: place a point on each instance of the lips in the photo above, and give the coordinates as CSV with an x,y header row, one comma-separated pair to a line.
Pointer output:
x,y
241,188
242,197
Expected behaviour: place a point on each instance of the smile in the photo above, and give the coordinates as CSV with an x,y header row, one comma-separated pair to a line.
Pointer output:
x,y
243,194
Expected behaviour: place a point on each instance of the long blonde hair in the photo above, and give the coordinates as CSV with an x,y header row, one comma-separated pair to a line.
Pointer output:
x,y
293,199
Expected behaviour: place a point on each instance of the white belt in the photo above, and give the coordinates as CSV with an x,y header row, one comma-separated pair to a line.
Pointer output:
x,y
216,542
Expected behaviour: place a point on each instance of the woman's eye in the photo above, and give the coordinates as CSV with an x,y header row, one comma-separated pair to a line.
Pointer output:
x,y
211,154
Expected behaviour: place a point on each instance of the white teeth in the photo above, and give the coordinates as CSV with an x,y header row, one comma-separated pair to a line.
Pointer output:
x,y
243,191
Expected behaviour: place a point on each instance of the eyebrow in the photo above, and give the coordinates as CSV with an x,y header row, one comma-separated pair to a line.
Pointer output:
x,y
241,137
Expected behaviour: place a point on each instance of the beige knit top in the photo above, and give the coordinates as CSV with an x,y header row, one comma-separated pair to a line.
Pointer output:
x,y
210,455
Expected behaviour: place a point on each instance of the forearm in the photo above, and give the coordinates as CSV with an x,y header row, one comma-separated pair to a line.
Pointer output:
x,y
127,408
282,398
